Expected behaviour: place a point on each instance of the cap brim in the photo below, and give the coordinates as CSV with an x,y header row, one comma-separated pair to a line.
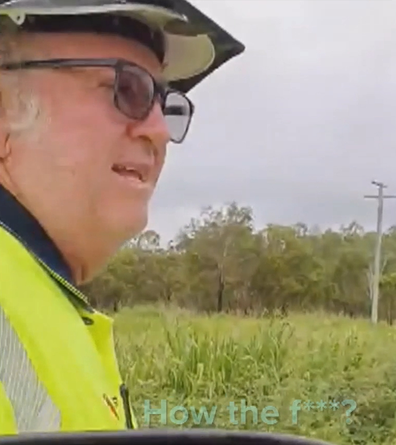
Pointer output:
x,y
186,55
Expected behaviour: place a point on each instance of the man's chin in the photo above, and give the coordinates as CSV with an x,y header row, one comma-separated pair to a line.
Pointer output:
x,y
135,224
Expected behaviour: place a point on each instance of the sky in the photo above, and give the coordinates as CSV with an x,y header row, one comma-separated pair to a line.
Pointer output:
x,y
299,125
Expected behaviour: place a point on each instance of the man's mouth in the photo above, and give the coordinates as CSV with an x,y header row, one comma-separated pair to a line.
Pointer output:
x,y
130,172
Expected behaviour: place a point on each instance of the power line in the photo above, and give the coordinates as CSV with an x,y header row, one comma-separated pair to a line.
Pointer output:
x,y
377,259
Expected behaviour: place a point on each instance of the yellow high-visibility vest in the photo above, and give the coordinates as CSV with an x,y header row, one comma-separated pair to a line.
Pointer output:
x,y
58,369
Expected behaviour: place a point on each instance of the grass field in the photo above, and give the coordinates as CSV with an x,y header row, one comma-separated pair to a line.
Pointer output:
x,y
221,364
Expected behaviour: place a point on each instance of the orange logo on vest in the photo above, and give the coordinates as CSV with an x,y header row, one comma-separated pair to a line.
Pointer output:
x,y
111,404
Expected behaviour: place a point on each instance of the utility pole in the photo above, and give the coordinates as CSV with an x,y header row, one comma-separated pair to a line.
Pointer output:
x,y
377,259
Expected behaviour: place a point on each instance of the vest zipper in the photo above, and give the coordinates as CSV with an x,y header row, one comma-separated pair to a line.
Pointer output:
x,y
127,407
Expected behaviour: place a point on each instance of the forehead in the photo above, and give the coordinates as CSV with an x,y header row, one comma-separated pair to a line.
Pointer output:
x,y
87,46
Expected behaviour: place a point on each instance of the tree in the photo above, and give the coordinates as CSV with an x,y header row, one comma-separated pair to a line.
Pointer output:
x,y
221,262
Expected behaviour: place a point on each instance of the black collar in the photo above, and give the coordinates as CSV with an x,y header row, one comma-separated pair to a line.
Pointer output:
x,y
20,222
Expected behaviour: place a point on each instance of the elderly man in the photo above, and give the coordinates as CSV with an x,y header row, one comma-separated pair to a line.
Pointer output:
x,y
91,94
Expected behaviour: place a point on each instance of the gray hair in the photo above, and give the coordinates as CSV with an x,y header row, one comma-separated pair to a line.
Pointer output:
x,y
23,110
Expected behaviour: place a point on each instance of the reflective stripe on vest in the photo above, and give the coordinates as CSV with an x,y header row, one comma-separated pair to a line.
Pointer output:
x,y
32,405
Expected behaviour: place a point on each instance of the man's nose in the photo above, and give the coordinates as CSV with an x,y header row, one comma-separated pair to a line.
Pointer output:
x,y
154,128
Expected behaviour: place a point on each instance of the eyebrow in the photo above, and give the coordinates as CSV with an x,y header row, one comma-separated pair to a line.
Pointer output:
x,y
95,75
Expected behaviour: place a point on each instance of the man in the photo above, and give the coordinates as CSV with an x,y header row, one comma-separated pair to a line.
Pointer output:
x,y
91,94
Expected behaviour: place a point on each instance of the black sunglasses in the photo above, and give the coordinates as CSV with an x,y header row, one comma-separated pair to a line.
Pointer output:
x,y
135,91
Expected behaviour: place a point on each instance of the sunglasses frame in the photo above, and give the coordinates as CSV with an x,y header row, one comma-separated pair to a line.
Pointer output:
x,y
159,90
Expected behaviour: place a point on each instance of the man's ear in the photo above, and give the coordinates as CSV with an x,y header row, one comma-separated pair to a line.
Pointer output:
x,y
5,147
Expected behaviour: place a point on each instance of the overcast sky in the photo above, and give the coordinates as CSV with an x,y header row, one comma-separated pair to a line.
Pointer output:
x,y
299,125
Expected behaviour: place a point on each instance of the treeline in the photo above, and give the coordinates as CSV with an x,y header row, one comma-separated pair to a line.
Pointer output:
x,y
220,262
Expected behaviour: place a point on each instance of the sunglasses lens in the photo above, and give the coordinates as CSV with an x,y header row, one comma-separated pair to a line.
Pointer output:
x,y
134,95
135,91
178,113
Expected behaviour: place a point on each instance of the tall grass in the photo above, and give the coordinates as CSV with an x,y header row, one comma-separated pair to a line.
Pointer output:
x,y
199,362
